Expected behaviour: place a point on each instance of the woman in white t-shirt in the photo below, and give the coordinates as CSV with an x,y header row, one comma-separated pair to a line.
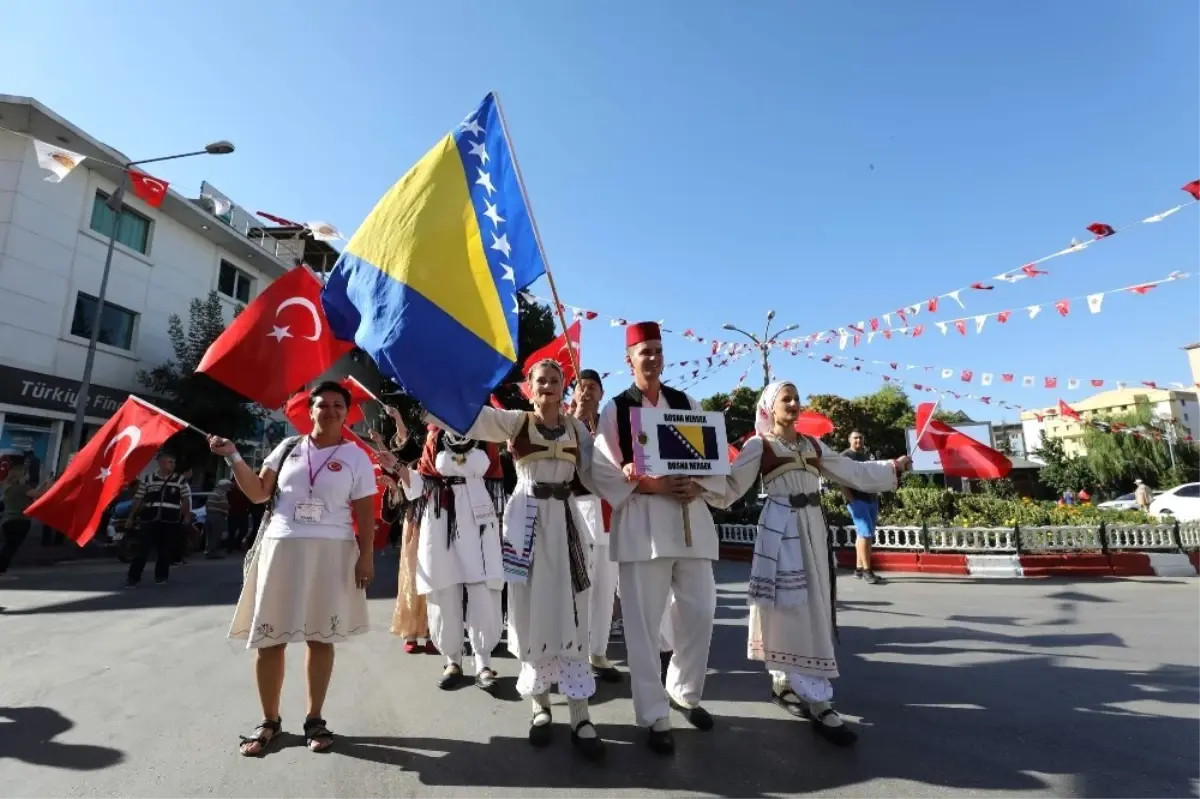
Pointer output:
x,y
307,579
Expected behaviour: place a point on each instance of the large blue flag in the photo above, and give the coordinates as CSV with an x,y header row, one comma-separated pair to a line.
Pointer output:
x,y
428,285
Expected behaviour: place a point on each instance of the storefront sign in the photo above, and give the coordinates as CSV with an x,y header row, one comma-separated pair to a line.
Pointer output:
x,y
36,390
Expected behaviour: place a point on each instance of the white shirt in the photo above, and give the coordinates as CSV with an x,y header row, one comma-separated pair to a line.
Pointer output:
x,y
341,474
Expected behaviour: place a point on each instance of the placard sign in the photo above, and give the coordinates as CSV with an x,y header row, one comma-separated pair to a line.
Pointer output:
x,y
669,442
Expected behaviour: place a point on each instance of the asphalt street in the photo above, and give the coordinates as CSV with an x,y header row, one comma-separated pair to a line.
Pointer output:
x,y
958,687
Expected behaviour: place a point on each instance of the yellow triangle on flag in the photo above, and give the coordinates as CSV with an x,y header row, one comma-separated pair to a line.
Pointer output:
x,y
694,435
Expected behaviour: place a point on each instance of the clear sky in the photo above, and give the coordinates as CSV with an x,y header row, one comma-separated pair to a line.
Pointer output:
x,y
702,162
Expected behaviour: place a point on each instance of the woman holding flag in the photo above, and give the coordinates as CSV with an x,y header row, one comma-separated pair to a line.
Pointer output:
x,y
791,595
544,552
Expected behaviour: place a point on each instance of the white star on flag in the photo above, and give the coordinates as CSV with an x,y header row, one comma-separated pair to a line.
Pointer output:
x,y
985,379
104,473
508,273
472,127
979,320
1162,216
942,327
478,150
500,243
280,333
485,180
1072,383
1034,310
1095,301
1027,381
492,214
947,374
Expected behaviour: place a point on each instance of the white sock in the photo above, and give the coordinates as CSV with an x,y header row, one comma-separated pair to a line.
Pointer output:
x,y
662,725
600,662
541,709
817,708
579,714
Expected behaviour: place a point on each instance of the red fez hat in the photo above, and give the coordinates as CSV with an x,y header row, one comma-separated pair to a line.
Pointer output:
x,y
642,331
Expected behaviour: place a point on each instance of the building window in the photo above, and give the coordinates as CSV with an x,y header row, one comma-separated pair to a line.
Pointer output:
x,y
134,231
116,323
234,283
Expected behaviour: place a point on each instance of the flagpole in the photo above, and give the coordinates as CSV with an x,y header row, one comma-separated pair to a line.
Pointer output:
x,y
558,306
170,416
925,427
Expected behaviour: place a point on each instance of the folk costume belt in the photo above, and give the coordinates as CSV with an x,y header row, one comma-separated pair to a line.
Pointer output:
x,y
551,491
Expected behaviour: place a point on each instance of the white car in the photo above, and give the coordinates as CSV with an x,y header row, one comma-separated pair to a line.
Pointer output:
x,y
1126,502
1181,502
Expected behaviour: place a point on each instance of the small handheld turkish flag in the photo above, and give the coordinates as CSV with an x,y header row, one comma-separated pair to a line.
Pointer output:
x,y
277,344
961,455
560,350
116,454
297,407
150,189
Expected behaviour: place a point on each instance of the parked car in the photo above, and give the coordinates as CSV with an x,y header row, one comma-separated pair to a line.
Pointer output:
x,y
1182,502
1125,502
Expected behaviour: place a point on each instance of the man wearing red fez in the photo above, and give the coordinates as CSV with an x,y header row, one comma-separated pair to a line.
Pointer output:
x,y
655,561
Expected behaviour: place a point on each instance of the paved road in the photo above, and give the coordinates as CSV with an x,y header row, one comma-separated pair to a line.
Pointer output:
x,y
960,687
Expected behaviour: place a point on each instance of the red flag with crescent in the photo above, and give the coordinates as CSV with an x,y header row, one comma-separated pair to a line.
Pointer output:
x,y
278,343
152,190
961,455
558,350
297,407
115,455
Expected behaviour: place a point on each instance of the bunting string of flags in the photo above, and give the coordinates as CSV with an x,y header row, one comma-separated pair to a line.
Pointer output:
x,y
1099,231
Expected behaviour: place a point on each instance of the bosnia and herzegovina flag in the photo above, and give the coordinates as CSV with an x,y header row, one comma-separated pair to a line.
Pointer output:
x,y
428,285
687,442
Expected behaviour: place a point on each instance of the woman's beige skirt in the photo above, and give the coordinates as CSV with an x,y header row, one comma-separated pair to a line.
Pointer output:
x,y
300,589
410,620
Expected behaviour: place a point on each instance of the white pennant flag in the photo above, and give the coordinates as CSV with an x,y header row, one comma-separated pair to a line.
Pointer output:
x,y
979,320
871,335
947,374
887,319
60,162
1122,385
842,341
1011,277
1027,381
1072,383
942,327
1095,301
954,296
323,231
914,309
985,378
1162,216
1034,310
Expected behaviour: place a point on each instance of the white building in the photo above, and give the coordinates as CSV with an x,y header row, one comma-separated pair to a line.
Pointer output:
x,y
53,240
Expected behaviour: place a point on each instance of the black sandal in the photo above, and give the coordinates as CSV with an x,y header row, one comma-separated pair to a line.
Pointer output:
x,y
840,735
541,734
315,732
789,700
591,748
263,740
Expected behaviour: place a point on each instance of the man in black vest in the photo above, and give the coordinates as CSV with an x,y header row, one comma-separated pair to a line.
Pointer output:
x,y
655,558
161,509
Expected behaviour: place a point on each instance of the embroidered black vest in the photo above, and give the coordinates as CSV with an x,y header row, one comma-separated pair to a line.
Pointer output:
x,y
632,398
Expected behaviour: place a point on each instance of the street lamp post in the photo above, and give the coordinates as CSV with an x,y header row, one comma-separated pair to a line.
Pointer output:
x,y
763,344
115,202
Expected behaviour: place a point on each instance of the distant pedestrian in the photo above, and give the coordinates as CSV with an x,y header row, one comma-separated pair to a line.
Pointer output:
x,y
864,512
162,508
1084,497
1142,495
18,494
216,518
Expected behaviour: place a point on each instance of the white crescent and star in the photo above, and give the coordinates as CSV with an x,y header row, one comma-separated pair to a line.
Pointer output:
x,y
280,333
155,186
134,434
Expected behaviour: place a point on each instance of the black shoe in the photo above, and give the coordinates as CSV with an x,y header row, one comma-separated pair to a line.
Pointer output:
x,y
540,734
607,674
697,716
664,659
869,577
591,748
486,680
858,573
838,736
160,582
661,743
789,701
450,677
130,586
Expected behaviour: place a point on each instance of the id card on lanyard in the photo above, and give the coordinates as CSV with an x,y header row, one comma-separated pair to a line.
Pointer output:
x,y
312,510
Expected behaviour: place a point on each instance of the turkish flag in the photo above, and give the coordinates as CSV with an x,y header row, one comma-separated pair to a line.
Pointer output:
x,y
277,344
813,424
735,448
152,190
297,407
1067,411
961,455
558,350
114,456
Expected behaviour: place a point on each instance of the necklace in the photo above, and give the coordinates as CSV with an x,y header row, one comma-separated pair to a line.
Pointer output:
x,y
794,446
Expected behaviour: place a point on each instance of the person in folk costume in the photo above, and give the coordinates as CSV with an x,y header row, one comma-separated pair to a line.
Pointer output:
x,y
649,541
545,554
602,571
457,490
792,593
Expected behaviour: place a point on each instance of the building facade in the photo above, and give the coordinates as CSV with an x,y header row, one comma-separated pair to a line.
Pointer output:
x,y
53,241
1166,406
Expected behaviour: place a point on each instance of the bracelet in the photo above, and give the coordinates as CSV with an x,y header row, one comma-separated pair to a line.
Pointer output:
x,y
233,459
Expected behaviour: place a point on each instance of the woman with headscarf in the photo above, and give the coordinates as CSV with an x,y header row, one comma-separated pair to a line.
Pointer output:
x,y
545,554
792,595
307,574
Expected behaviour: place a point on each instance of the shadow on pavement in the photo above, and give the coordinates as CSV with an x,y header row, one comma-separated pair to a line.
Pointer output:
x,y
27,734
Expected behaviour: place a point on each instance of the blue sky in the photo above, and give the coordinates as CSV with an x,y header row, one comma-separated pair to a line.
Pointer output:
x,y
704,162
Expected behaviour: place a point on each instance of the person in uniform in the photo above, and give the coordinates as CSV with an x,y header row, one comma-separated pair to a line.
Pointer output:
x,y
657,552
792,577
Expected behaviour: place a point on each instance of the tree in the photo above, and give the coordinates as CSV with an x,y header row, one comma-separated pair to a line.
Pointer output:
x,y
197,398
1063,472
1118,458
740,408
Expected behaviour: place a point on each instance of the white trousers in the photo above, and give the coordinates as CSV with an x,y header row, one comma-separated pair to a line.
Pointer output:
x,y
812,689
602,573
447,625
646,587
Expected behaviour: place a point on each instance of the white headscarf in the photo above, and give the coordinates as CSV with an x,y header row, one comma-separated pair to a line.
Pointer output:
x,y
765,418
